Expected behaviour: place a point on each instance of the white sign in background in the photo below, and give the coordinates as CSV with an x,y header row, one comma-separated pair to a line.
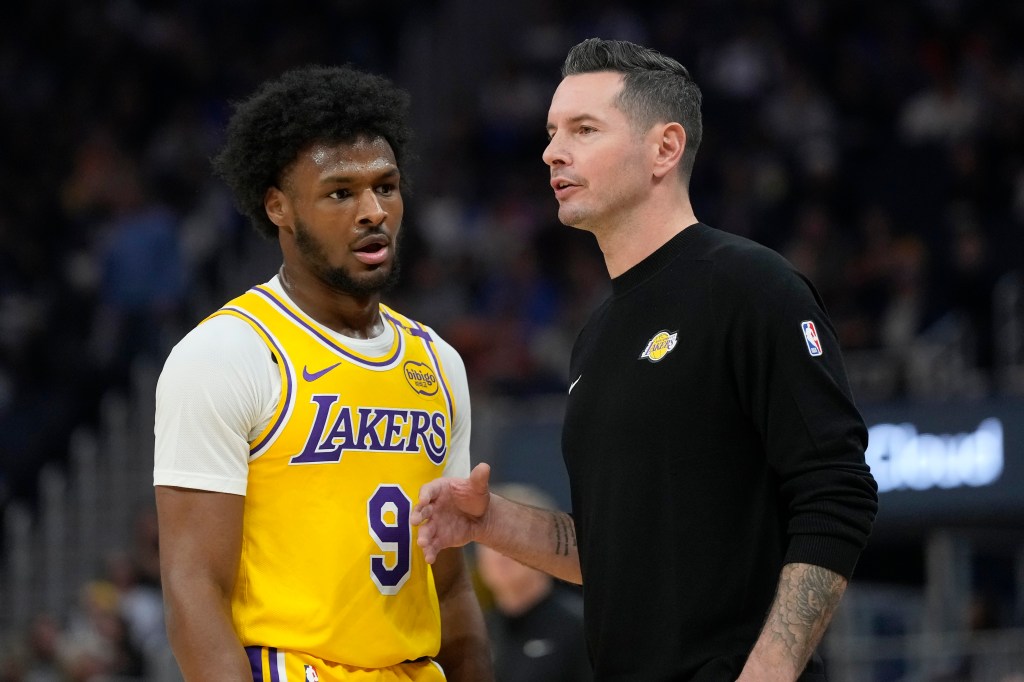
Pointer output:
x,y
901,458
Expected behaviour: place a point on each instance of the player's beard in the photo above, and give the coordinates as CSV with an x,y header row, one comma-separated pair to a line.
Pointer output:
x,y
379,281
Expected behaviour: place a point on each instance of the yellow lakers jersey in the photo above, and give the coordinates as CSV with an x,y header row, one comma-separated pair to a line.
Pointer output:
x,y
329,562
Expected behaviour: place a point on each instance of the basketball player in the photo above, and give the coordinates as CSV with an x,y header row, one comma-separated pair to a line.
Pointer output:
x,y
295,425
720,496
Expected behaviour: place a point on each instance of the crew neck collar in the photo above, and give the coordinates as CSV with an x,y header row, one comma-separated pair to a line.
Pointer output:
x,y
661,257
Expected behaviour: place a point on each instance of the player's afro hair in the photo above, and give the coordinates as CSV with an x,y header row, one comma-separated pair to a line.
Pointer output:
x,y
305,106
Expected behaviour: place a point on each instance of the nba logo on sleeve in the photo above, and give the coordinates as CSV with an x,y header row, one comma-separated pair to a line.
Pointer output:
x,y
811,337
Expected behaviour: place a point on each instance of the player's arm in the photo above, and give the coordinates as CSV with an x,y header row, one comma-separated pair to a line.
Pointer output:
x,y
452,512
465,651
806,598
200,544
216,388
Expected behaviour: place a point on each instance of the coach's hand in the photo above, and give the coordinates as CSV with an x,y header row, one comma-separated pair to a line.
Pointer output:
x,y
451,512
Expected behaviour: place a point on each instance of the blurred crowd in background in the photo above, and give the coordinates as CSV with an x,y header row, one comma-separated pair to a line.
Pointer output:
x,y
879,146
111,631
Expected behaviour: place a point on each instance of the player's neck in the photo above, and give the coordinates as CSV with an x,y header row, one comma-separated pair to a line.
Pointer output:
x,y
354,316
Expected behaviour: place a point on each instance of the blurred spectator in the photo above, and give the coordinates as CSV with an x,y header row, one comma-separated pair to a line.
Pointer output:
x,y
820,252
944,112
745,66
969,279
982,616
96,643
906,309
43,661
140,606
142,280
536,624
801,118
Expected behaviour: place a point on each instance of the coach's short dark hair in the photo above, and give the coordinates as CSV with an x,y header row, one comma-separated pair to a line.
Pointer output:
x,y
656,88
302,107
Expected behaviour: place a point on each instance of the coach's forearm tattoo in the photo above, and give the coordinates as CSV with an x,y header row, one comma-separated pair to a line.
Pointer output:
x,y
807,597
565,533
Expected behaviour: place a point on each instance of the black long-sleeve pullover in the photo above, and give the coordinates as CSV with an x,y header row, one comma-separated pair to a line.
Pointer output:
x,y
710,437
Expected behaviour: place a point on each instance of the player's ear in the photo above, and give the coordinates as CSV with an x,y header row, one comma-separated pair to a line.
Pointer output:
x,y
278,207
670,141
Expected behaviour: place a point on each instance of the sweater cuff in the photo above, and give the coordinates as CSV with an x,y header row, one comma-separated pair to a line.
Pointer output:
x,y
835,554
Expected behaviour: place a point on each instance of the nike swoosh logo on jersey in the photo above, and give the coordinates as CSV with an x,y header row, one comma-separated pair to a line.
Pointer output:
x,y
316,375
573,384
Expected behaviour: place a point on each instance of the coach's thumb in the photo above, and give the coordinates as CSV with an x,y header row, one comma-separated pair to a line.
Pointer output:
x,y
479,478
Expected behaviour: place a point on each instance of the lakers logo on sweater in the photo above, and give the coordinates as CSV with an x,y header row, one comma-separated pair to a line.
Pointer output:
x,y
660,345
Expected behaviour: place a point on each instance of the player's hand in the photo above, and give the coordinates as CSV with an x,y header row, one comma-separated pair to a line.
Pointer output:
x,y
451,511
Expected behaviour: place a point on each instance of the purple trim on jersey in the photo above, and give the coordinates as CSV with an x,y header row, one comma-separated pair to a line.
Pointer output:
x,y
289,388
275,674
425,335
418,330
323,339
255,654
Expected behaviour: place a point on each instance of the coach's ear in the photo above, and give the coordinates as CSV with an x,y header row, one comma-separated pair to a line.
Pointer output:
x,y
279,208
669,141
